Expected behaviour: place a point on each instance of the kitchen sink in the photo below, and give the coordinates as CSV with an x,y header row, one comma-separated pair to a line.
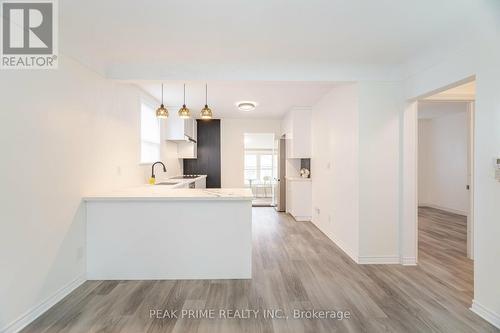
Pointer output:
x,y
167,183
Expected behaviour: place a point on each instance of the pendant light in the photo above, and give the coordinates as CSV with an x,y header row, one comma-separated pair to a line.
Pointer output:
x,y
184,111
162,111
206,113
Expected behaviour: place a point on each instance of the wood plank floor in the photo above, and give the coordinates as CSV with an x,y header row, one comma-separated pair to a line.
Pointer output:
x,y
295,266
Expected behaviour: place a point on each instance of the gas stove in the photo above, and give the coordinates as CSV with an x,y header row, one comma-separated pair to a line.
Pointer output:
x,y
185,177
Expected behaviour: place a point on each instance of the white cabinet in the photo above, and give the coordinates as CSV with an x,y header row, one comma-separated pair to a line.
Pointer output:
x,y
184,133
178,129
299,198
201,183
296,126
191,129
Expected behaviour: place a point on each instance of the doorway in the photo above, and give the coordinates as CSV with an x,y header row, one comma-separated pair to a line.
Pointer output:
x,y
260,167
438,187
445,159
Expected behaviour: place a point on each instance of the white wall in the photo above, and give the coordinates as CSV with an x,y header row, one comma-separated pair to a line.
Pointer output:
x,y
232,146
482,60
356,131
334,166
63,133
355,163
424,147
168,153
380,105
442,161
263,141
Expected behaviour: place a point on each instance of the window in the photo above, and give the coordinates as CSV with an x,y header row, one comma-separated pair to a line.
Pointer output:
x,y
266,167
258,167
150,134
250,167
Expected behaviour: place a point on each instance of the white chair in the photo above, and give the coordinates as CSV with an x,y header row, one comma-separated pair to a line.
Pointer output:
x,y
266,184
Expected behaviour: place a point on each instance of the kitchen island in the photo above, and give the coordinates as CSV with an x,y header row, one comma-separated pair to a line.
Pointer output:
x,y
156,232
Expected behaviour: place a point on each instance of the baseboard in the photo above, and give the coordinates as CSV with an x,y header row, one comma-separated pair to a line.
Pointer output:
x,y
29,316
446,209
347,250
302,218
380,260
409,261
485,313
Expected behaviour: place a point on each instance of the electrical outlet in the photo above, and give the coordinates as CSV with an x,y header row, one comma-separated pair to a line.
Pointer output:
x,y
119,170
318,211
329,218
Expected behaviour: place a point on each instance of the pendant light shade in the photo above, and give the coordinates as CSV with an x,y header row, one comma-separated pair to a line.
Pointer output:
x,y
184,111
206,112
162,111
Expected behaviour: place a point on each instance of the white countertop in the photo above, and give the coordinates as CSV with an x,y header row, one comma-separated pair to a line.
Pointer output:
x,y
161,192
298,179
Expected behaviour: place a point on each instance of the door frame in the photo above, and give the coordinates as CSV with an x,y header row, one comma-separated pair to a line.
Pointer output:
x,y
409,205
471,172
409,215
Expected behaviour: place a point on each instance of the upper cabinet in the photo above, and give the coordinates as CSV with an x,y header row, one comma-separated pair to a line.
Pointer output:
x,y
296,126
178,129
184,133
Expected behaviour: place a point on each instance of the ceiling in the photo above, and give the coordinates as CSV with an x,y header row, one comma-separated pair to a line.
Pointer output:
x,y
273,99
178,38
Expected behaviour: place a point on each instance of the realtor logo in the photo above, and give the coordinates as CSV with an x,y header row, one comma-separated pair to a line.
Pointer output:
x,y
29,34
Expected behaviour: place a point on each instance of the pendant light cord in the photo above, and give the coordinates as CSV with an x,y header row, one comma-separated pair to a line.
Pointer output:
x,y
206,94
162,94
184,94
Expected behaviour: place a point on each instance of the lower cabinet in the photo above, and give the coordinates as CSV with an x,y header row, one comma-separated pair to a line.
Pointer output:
x,y
201,183
299,199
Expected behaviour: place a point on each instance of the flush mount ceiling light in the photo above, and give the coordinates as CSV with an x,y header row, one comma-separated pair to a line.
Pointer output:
x,y
246,106
206,112
184,111
162,111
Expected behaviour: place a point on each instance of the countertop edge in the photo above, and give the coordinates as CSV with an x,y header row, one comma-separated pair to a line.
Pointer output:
x,y
153,193
149,199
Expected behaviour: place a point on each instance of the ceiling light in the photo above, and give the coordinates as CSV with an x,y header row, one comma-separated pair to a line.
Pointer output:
x,y
162,111
184,111
246,106
206,112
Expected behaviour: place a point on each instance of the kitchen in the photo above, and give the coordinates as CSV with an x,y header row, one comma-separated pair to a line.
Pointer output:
x,y
202,229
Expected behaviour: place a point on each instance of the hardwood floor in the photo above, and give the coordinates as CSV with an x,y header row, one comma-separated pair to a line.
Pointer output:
x,y
295,266
442,246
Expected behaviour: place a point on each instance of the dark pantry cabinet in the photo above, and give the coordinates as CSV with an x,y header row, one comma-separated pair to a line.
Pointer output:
x,y
208,160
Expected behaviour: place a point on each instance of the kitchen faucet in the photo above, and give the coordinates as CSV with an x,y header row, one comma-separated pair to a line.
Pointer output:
x,y
152,179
